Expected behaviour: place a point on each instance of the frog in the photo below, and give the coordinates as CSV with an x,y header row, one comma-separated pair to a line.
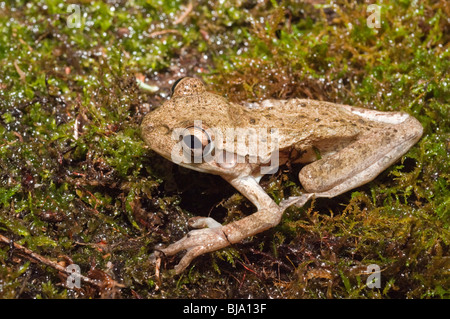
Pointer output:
x,y
340,147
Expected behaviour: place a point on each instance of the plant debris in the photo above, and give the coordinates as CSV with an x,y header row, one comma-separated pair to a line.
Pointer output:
x,y
78,185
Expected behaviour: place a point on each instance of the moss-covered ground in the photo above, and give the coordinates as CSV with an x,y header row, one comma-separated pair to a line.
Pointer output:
x,y
78,185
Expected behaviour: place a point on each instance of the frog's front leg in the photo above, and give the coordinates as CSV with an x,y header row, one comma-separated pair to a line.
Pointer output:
x,y
200,241
196,243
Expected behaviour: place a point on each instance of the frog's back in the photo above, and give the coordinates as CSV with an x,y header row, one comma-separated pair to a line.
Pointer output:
x,y
302,121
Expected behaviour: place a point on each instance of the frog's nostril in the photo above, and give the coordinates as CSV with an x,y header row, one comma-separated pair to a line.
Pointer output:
x,y
149,127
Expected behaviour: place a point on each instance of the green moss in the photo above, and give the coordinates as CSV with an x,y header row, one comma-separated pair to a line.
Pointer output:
x,y
77,181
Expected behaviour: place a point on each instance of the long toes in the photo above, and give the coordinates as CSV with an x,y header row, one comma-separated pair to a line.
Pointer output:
x,y
195,243
176,247
187,258
195,238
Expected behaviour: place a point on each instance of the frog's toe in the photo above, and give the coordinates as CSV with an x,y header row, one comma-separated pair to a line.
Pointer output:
x,y
297,201
203,222
187,258
196,243
157,254
153,257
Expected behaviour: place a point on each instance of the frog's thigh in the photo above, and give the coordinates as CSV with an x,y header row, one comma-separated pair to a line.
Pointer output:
x,y
357,164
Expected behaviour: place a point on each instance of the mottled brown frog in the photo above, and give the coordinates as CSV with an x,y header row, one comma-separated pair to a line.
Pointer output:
x,y
342,147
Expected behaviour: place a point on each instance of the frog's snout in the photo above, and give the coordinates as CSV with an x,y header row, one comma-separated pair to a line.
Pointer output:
x,y
147,124
147,129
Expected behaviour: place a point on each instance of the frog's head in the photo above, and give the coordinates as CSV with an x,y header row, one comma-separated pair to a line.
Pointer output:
x,y
182,128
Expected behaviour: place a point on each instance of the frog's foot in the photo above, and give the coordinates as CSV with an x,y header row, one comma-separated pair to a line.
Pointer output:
x,y
196,243
298,201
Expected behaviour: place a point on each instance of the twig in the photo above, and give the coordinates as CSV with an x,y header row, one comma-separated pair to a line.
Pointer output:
x,y
22,74
33,256
162,32
185,14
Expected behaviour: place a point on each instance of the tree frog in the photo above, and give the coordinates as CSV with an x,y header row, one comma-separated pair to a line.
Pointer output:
x,y
342,147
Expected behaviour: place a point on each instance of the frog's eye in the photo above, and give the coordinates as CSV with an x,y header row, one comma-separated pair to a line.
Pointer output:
x,y
197,143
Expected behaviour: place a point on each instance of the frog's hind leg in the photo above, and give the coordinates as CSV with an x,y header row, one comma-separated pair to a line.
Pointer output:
x,y
361,161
